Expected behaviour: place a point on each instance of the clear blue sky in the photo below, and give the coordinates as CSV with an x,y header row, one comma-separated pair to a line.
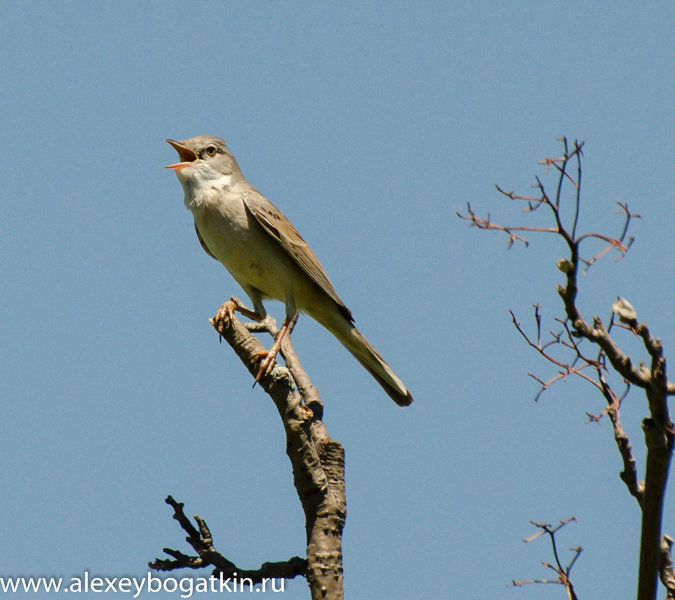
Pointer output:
x,y
369,125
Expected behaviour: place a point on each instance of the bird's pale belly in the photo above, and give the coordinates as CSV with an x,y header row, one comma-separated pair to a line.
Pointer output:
x,y
248,253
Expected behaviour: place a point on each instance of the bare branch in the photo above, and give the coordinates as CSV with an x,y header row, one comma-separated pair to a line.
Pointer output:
x,y
658,427
202,542
318,472
556,339
486,224
666,571
629,474
562,572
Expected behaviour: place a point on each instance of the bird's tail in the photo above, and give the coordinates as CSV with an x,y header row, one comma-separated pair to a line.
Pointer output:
x,y
352,339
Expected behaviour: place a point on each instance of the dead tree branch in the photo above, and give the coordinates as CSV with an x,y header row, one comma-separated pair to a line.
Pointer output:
x,y
318,474
202,542
563,573
563,349
666,572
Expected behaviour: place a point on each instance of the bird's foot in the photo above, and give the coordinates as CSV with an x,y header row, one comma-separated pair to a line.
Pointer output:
x,y
226,310
269,358
226,313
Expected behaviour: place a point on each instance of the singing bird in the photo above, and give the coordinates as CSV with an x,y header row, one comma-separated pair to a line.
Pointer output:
x,y
265,254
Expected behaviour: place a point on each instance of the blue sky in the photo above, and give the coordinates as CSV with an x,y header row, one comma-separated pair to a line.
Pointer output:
x,y
369,125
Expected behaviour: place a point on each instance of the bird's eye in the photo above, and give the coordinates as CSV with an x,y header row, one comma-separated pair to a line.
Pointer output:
x,y
211,150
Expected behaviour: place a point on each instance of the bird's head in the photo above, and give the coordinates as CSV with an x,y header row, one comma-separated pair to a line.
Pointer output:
x,y
204,160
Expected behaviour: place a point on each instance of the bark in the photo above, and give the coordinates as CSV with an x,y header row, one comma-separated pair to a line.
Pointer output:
x,y
318,464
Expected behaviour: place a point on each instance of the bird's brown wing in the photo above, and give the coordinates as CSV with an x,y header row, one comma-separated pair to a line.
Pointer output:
x,y
273,221
203,243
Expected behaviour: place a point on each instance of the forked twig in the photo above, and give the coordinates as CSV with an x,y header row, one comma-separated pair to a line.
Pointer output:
x,y
562,572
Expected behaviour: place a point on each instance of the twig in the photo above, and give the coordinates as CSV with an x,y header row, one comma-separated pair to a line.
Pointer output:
x,y
563,573
202,543
666,571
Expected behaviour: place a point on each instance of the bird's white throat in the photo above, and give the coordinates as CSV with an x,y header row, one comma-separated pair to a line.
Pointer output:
x,y
202,186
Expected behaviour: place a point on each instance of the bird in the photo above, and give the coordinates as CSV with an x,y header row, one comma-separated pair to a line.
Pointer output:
x,y
266,255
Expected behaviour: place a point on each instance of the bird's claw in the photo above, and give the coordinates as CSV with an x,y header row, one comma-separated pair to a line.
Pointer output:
x,y
227,309
267,363
224,313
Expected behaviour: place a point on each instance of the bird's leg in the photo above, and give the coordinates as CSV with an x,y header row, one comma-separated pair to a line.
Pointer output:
x,y
269,357
228,308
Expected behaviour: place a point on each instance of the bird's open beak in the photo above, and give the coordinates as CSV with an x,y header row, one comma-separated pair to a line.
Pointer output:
x,y
187,156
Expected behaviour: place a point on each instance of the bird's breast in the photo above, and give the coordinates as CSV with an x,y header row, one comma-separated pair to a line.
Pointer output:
x,y
251,256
